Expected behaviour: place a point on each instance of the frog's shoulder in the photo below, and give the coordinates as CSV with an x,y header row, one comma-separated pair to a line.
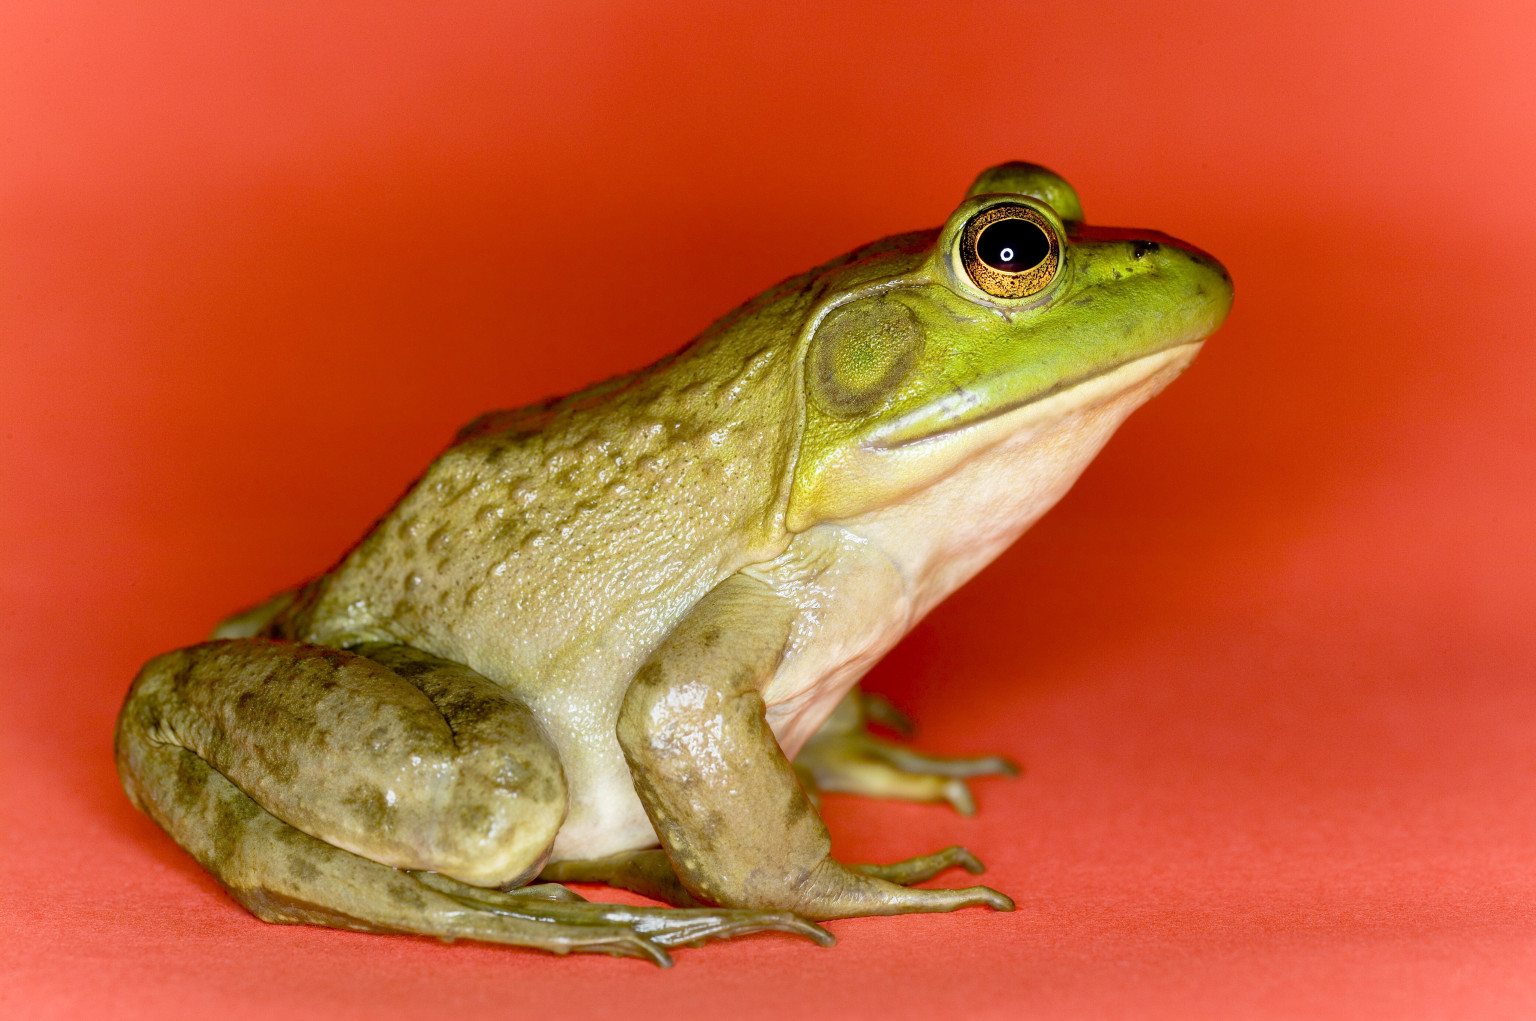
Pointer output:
x,y
508,423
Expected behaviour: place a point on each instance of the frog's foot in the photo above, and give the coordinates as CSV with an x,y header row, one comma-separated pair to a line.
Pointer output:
x,y
843,756
661,927
650,874
835,890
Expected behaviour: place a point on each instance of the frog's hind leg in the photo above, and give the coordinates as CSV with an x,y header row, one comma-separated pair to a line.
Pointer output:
x,y
282,875
265,713
843,756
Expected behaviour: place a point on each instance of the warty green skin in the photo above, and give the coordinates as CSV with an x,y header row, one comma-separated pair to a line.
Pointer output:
x,y
613,618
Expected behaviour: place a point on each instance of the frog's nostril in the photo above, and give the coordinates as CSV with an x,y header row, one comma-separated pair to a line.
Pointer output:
x,y
1142,248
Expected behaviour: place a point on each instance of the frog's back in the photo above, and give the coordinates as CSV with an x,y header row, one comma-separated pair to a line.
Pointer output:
x,y
548,533
567,537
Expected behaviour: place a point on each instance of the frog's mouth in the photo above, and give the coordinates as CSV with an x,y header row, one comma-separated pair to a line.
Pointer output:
x,y
991,404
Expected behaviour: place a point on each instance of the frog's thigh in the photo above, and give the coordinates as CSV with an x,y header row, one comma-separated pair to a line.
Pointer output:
x,y
401,758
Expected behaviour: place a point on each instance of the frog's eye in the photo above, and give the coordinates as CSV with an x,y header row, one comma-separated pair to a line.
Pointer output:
x,y
1010,251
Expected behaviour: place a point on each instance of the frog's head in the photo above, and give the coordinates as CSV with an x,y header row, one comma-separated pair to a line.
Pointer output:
x,y
1014,318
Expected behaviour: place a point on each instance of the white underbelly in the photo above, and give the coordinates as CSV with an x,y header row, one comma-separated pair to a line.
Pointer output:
x,y
604,815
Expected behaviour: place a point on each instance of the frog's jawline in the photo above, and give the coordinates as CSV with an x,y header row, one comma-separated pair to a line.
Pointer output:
x,y
885,440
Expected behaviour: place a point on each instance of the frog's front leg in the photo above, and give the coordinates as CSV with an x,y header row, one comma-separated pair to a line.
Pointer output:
x,y
844,756
380,789
735,823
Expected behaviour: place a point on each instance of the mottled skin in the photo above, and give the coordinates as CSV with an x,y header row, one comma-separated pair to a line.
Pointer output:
x,y
612,619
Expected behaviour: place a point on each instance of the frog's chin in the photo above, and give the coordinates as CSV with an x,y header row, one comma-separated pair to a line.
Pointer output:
x,y
968,411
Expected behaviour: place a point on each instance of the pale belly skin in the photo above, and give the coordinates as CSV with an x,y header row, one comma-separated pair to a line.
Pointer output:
x,y
609,621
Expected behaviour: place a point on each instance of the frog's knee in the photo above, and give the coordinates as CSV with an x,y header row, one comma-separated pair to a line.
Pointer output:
x,y
156,676
141,720
499,820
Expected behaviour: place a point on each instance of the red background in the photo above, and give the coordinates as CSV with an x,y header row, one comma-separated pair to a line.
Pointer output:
x,y
1271,666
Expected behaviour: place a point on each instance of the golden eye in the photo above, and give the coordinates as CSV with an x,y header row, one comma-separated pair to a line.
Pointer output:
x,y
1010,251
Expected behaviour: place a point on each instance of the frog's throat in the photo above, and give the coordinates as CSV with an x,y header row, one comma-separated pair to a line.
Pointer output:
x,y
976,408
881,472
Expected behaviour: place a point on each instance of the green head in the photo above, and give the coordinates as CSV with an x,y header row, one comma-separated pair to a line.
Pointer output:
x,y
1015,316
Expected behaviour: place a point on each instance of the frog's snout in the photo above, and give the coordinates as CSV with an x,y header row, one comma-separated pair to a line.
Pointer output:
x,y
1197,282
1209,283
1188,288
1177,250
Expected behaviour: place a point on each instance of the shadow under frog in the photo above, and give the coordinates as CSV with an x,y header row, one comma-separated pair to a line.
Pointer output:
x,y
637,615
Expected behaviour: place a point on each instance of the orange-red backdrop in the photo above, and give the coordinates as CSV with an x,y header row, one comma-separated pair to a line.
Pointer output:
x,y
1271,666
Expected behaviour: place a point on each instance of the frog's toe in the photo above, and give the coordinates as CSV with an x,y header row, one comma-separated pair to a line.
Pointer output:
x,y
857,763
875,778
959,796
916,762
911,899
623,943
879,709
692,927
985,896
924,867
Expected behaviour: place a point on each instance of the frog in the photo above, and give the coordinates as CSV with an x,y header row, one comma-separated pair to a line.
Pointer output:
x,y
617,636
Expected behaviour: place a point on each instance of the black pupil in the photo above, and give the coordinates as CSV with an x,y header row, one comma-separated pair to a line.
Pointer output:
x,y
1012,246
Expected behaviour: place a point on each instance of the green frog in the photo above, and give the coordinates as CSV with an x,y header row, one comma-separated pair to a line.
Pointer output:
x,y
616,636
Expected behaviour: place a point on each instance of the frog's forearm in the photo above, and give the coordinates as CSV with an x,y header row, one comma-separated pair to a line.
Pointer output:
x,y
725,801
722,796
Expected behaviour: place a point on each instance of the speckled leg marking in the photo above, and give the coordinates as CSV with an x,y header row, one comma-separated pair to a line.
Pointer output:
x,y
303,731
843,756
734,822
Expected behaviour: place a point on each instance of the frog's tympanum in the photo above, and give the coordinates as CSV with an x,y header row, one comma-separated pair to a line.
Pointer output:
x,y
615,636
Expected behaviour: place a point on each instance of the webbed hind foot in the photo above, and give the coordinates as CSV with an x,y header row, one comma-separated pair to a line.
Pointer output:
x,y
663,927
844,757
